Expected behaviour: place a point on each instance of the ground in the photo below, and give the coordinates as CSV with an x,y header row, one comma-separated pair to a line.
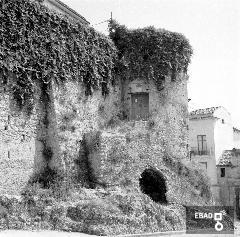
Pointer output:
x,y
17,233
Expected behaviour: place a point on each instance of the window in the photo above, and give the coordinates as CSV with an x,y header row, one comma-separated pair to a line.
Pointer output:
x,y
222,170
203,165
223,121
202,144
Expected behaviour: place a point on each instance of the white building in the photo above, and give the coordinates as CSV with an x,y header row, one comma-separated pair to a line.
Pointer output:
x,y
211,133
60,7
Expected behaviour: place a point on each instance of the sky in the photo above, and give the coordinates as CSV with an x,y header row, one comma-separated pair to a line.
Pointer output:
x,y
213,30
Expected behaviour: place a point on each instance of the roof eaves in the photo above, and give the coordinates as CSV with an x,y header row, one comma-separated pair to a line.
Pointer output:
x,y
205,111
236,129
63,6
202,116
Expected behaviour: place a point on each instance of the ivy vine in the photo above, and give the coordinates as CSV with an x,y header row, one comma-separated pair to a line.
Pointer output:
x,y
150,53
38,46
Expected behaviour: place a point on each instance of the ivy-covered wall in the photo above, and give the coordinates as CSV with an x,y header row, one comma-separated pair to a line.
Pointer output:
x,y
39,52
150,53
38,46
62,80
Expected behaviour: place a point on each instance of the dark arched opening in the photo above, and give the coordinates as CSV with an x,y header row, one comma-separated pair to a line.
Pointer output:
x,y
152,183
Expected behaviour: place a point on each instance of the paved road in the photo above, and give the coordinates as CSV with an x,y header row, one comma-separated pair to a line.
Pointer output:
x,y
20,233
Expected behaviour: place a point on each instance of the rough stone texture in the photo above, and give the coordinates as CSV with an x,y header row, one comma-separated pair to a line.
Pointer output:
x,y
14,175
107,157
60,125
168,110
77,114
123,153
18,143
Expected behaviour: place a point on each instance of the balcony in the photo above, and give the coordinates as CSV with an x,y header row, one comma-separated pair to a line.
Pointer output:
x,y
195,152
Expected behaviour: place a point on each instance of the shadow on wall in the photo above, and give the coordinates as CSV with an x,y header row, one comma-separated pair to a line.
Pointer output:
x,y
152,183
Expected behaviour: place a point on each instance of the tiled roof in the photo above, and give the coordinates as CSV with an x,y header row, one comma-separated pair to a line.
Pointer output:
x,y
206,111
225,159
227,155
236,129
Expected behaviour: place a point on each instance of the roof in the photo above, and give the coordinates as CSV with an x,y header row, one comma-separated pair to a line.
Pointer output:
x,y
227,155
69,11
236,130
206,111
225,159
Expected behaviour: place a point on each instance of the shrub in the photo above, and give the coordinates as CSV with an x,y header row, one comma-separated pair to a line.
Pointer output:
x,y
150,53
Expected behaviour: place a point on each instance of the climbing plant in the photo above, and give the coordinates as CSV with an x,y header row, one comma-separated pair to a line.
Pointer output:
x,y
38,46
150,53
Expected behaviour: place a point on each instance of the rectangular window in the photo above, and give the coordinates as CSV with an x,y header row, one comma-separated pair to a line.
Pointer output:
x,y
222,170
202,144
203,165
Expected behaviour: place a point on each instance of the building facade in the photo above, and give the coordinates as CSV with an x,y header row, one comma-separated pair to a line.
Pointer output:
x,y
211,137
62,8
228,173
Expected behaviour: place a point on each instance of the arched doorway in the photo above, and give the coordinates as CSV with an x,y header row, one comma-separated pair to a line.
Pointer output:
x,y
152,183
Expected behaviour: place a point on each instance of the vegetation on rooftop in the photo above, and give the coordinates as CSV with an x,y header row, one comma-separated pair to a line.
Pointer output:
x,y
150,53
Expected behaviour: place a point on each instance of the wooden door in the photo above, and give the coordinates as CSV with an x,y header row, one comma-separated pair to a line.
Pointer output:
x,y
140,106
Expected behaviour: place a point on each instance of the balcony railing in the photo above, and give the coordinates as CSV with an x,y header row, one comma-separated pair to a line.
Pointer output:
x,y
196,152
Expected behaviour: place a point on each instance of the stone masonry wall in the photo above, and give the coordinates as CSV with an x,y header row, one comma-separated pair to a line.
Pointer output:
x,y
58,125
168,109
77,114
122,155
18,143
70,114
107,157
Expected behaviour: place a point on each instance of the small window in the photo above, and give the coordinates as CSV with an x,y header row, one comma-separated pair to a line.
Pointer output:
x,y
8,154
223,121
203,165
6,127
222,170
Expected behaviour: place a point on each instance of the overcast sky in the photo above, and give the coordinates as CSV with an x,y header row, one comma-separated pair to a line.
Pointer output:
x,y
212,27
